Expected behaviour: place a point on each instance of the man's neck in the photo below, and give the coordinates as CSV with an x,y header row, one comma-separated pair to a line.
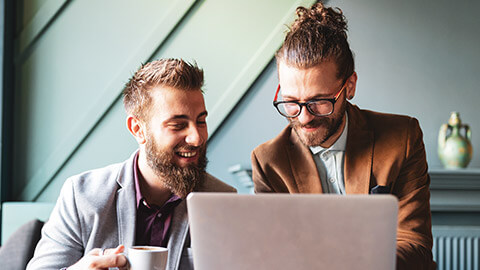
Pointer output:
x,y
151,186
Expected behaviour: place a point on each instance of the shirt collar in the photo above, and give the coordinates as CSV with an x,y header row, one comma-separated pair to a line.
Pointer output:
x,y
339,145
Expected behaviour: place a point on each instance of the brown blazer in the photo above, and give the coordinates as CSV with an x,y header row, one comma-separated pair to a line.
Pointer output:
x,y
383,150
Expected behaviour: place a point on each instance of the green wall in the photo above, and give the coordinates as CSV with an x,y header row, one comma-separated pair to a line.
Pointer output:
x,y
418,58
73,58
415,58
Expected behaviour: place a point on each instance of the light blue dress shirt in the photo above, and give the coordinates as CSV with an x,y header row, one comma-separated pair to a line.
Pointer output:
x,y
330,163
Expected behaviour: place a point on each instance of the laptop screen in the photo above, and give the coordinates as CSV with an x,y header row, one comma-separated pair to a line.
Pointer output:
x,y
292,231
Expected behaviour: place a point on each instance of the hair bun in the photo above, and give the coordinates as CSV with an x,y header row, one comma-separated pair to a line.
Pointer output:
x,y
317,35
319,15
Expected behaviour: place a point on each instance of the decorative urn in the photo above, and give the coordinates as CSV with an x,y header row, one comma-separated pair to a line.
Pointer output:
x,y
454,146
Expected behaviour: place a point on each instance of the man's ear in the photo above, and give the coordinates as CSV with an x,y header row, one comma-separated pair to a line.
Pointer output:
x,y
351,85
136,128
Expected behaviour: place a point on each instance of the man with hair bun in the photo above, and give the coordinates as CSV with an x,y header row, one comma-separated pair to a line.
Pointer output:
x,y
140,201
331,145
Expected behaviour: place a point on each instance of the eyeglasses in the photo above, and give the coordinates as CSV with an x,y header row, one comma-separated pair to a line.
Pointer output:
x,y
317,107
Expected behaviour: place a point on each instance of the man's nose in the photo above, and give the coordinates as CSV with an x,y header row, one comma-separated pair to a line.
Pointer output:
x,y
305,116
194,136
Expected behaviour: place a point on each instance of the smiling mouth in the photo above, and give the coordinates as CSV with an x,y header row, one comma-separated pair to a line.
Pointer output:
x,y
187,154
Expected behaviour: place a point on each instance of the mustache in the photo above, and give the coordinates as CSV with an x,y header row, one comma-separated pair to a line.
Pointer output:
x,y
315,123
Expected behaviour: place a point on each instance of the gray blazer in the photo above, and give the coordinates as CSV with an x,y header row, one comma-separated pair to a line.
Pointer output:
x,y
97,209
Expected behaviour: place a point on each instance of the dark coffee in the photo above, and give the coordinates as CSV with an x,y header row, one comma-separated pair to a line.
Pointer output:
x,y
146,248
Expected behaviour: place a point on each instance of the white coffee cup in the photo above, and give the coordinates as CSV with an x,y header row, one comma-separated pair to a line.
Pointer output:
x,y
147,258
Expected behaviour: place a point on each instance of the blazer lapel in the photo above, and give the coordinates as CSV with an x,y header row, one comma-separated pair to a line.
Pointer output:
x,y
358,154
303,166
126,207
178,235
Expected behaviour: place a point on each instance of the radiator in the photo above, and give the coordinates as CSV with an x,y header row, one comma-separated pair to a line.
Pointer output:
x,y
456,247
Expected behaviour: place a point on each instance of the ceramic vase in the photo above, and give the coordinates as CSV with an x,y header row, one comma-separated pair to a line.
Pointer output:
x,y
454,146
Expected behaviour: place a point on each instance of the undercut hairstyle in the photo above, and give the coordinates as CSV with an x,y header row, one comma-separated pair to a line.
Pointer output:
x,y
319,34
173,73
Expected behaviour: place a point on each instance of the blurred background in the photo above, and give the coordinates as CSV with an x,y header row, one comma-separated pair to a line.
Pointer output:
x,y
65,64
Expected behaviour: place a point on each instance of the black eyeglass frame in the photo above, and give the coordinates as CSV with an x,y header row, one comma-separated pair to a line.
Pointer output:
x,y
306,104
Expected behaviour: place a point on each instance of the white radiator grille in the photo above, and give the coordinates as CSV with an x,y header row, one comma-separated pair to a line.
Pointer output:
x,y
456,247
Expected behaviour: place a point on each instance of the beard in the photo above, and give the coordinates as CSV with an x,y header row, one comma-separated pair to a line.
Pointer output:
x,y
180,180
328,127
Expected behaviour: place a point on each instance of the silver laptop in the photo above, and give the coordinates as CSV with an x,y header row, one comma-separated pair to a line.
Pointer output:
x,y
301,231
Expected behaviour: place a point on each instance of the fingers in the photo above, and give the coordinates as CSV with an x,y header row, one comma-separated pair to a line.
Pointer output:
x,y
116,250
106,261
96,252
99,258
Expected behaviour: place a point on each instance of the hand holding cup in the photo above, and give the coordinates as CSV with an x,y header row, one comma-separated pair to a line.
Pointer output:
x,y
102,258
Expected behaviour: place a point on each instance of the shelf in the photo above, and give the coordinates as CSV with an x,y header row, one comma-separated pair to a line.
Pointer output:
x,y
462,179
455,190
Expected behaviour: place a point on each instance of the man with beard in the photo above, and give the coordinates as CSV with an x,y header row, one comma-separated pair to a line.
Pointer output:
x,y
332,146
141,201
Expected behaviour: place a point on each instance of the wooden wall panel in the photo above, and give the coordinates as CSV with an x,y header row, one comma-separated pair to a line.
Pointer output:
x,y
110,142
74,73
233,41
36,17
70,78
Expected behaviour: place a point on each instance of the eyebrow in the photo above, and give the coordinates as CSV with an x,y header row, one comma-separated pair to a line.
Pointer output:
x,y
204,113
184,116
310,98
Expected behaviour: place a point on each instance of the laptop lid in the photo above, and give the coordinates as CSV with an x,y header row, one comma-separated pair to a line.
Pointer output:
x,y
292,231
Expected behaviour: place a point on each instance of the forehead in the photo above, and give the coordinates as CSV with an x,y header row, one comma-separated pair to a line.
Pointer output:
x,y
304,83
168,102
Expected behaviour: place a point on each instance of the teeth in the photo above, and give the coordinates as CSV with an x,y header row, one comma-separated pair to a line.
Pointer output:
x,y
187,154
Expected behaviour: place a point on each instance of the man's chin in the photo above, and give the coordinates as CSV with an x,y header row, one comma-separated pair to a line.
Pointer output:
x,y
184,181
310,137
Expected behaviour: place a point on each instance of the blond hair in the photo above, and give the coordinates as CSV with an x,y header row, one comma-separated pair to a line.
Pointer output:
x,y
174,73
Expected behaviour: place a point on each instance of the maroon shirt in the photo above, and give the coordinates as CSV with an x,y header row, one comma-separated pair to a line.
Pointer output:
x,y
153,221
